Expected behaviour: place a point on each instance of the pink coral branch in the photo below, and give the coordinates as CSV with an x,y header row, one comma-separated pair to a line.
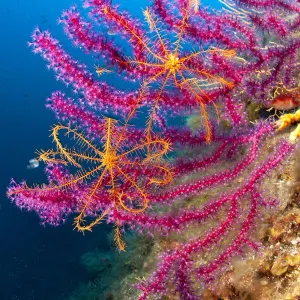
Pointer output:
x,y
156,284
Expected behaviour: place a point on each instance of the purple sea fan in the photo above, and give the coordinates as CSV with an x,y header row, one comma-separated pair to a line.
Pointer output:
x,y
265,36
173,77
52,206
207,27
122,174
227,202
277,25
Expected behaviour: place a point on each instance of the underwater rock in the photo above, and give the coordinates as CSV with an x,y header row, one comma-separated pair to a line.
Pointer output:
x,y
283,262
280,266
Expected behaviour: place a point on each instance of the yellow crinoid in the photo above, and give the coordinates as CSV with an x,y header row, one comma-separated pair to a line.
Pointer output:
x,y
165,63
287,120
120,171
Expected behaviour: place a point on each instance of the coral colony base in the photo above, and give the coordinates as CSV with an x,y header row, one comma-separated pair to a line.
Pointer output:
x,y
188,60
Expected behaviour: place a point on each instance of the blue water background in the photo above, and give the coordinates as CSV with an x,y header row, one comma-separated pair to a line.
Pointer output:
x,y
36,262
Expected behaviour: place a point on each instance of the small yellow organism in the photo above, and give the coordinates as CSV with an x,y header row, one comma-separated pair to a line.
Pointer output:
x,y
100,71
286,120
295,134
